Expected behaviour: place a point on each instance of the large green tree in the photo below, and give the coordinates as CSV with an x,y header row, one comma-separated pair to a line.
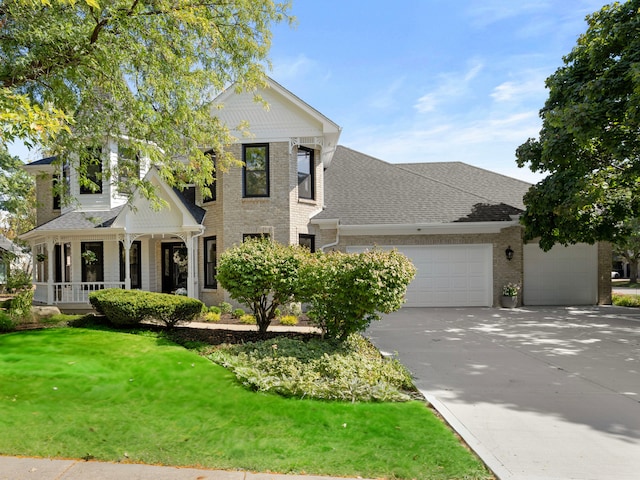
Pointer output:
x,y
17,196
589,143
74,73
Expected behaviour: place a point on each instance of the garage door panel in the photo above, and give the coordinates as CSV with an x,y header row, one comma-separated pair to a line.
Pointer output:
x,y
448,275
561,276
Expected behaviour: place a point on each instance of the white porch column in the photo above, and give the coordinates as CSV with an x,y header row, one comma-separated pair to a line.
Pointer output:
x,y
127,261
191,284
50,279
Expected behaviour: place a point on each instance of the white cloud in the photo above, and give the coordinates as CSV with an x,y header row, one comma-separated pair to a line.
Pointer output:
x,y
517,91
386,98
451,86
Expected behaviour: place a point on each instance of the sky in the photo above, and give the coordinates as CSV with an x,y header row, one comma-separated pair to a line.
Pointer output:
x,y
430,80
427,80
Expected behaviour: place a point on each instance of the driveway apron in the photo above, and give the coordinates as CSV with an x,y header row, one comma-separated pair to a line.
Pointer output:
x,y
539,393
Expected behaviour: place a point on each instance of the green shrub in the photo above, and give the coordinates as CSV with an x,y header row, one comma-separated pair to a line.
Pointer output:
x,y
214,309
6,322
248,319
238,312
625,300
288,320
225,307
261,274
130,307
18,280
352,370
20,306
211,317
348,291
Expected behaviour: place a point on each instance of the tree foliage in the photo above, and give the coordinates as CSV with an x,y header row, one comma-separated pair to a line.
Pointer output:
x,y
74,73
589,142
628,247
261,274
17,196
348,291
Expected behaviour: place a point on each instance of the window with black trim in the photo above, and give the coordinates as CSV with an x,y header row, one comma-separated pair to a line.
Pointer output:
x,y
135,264
91,166
57,193
306,170
210,262
211,186
255,173
307,241
92,261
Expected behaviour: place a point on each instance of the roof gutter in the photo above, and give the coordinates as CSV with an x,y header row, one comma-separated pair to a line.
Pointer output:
x,y
424,228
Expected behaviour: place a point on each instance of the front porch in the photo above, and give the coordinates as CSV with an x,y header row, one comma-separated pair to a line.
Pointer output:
x,y
67,269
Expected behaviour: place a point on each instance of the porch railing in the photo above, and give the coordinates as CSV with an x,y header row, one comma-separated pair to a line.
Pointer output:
x,y
71,292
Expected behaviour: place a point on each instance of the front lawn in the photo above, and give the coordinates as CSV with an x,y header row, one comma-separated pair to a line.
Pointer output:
x,y
106,395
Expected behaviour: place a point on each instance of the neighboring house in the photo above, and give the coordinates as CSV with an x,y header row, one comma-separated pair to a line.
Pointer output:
x,y
11,256
299,187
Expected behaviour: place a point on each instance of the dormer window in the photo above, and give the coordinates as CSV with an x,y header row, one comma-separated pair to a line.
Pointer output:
x,y
128,167
306,168
91,165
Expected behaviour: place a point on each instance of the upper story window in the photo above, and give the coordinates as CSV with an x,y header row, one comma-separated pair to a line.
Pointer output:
x,y
57,194
211,186
91,166
255,181
128,166
306,169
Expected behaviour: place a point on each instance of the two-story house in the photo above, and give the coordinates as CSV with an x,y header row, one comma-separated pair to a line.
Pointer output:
x,y
458,223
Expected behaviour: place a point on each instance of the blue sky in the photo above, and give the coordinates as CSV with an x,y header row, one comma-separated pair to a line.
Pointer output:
x,y
427,80
430,80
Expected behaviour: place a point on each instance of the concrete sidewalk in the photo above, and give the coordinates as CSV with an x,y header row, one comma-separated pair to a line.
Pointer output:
x,y
538,393
22,468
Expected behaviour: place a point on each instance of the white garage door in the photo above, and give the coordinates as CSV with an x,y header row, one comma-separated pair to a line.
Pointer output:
x,y
448,275
561,276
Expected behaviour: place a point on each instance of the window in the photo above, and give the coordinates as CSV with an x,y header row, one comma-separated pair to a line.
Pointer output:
x,y
211,186
135,265
308,241
91,166
255,174
57,194
210,262
306,169
92,261
128,167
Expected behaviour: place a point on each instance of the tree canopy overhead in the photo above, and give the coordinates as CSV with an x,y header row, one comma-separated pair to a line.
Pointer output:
x,y
590,137
74,73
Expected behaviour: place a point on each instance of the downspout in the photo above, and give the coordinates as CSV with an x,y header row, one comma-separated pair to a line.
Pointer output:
x,y
333,244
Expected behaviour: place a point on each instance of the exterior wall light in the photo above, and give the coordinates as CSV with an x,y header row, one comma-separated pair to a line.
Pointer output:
x,y
509,253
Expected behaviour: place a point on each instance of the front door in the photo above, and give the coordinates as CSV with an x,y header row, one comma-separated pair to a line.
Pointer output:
x,y
174,267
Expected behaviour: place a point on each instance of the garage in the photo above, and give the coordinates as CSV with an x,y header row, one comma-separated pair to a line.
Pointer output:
x,y
448,275
561,276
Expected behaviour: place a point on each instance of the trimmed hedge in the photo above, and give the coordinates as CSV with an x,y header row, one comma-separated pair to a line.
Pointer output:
x,y
130,307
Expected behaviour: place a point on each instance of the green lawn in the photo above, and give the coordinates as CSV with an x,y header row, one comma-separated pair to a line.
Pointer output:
x,y
113,396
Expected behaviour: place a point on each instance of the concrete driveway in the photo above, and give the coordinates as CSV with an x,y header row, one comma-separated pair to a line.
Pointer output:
x,y
537,392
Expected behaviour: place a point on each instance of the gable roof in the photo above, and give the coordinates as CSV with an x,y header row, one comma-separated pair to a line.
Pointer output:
x,y
363,190
287,118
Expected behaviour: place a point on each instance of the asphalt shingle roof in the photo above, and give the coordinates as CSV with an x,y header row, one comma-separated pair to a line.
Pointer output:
x,y
363,190
81,220
43,161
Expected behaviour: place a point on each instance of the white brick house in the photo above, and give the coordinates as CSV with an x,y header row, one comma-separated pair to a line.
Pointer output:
x,y
299,186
